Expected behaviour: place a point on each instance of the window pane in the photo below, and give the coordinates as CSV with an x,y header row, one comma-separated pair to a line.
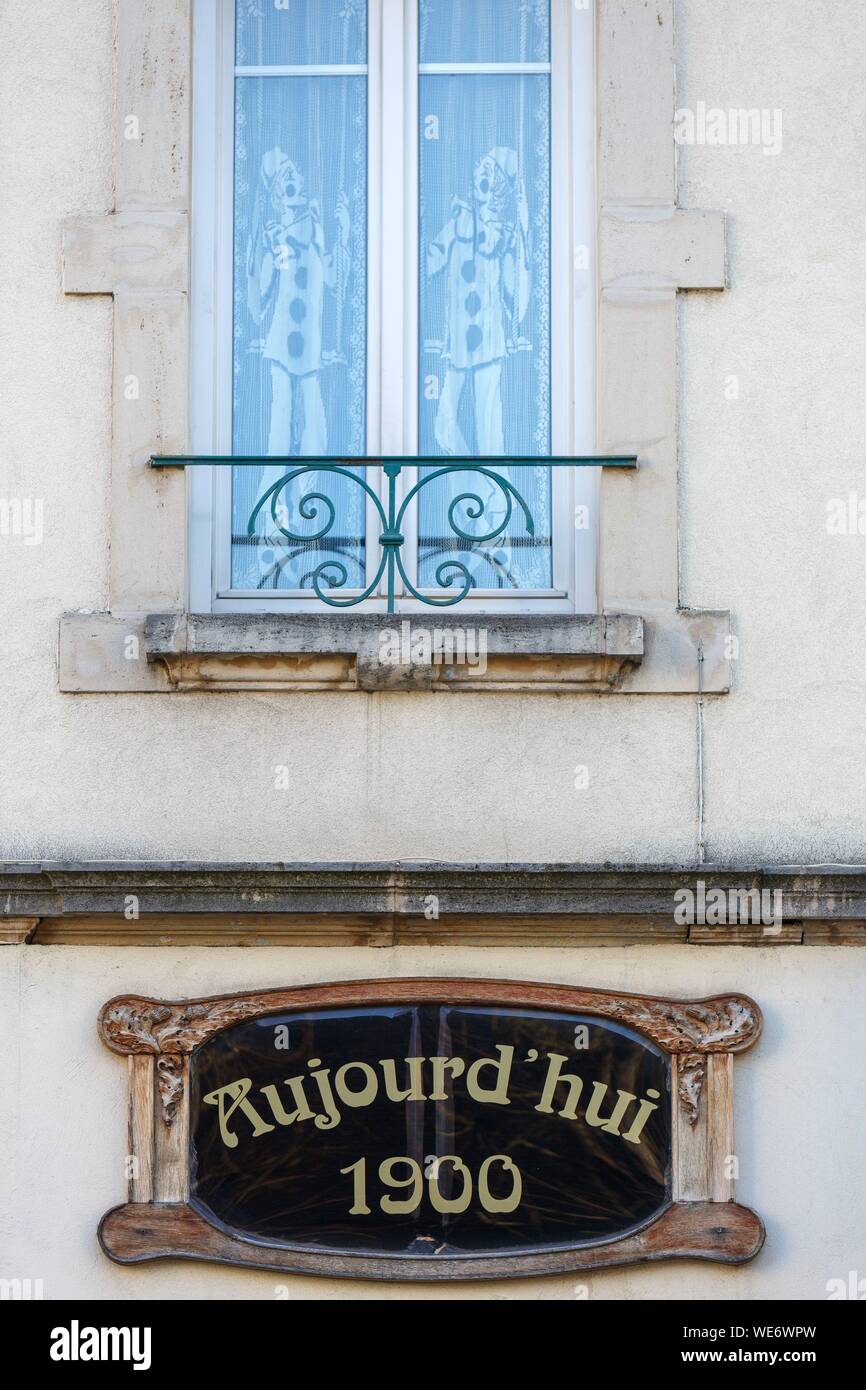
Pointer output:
x,y
484,31
485,318
289,32
299,318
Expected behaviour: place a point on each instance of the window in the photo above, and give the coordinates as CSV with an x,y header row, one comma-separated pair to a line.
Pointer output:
x,y
393,227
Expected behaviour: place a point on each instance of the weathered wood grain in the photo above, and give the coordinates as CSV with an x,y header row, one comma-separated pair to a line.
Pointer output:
x,y
171,1181
720,1099
724,1023
725,1232
690,1123
141,1118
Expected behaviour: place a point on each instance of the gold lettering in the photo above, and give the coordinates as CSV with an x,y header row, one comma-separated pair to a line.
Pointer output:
x,y
236,1092
282,1117
487,1082
575,1085
356,1099
440,1066
498,1094
389,1072
331,1117
615,1119
640,1119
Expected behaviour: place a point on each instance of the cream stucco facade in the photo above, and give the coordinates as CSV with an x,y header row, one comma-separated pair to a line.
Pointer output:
x,y
747,419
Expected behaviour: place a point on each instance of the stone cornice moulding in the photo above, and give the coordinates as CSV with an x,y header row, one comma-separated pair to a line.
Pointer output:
x,y
649,251
385,904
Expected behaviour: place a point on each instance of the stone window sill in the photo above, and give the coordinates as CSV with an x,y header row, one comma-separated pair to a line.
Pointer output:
x,y
308,652
662,651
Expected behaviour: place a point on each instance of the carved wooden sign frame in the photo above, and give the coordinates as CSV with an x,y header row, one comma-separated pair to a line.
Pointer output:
x,y
700,1038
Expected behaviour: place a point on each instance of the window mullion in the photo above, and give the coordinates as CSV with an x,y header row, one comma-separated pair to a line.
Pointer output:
x,y
562,382
392,247
412,272
375,275
392,243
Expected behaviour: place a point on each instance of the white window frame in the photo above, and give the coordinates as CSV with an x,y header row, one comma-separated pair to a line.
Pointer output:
x,y
392,305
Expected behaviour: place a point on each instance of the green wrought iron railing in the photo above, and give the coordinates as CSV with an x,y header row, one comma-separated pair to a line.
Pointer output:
x,y
391,511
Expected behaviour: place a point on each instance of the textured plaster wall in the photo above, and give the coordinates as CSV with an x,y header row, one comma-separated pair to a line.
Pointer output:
x,y
786,752
127,776
383,776
798,1132
471,777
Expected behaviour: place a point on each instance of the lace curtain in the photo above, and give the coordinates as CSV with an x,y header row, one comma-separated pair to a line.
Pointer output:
x,y
484,225
300,258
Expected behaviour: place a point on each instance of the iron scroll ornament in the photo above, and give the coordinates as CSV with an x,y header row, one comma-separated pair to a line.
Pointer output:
x,y
168,1213
391,538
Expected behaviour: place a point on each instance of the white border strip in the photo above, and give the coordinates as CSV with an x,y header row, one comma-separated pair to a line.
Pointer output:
x,y
305,70
476,69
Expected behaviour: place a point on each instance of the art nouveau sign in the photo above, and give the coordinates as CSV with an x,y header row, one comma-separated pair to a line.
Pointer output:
x,y
431,1129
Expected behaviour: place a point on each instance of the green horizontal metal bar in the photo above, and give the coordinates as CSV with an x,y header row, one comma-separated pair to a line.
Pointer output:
x,y
411,461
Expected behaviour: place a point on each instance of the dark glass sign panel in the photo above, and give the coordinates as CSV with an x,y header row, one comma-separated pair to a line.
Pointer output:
x,y
430,1130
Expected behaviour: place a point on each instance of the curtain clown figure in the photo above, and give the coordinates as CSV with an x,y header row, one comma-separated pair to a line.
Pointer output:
x,y
483,251
288,274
